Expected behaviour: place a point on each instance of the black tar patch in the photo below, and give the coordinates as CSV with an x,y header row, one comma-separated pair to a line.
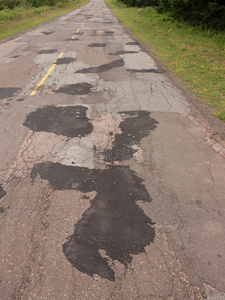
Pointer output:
x,y
2,192
103,68
69,121
113,223
64,60
75,89
137,125
48,51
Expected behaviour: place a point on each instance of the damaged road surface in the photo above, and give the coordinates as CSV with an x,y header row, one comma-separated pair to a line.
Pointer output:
x,y
109,187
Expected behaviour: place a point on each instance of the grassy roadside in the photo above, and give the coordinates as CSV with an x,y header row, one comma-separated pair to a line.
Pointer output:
x,y
195,56
12,22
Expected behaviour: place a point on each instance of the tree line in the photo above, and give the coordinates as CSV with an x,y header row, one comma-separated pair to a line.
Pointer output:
x,y
204,13
11,4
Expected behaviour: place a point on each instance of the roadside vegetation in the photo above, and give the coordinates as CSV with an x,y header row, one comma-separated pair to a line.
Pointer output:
x,y
196,54
18,15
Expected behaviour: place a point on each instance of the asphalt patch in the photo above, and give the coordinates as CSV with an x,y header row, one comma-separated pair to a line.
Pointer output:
x,y
132,43
146,71
108,33
103,68
113,223
8,92
48,51
123,52
64,60
75,89
69,40
2,192
138,124
2,210
69,121
47,32
97,45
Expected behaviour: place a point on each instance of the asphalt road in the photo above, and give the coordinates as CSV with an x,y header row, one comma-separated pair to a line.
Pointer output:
x,y
110,189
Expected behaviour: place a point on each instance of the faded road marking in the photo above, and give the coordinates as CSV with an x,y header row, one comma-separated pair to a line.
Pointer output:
x,y
46,75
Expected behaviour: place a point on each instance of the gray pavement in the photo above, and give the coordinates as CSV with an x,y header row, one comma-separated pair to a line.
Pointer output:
x,y
109,187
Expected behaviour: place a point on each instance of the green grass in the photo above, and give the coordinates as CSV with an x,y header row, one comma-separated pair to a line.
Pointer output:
x,y
196,56
21,18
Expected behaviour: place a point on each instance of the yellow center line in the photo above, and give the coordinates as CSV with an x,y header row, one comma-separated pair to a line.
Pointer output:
x,y
83,23
52,66
46,75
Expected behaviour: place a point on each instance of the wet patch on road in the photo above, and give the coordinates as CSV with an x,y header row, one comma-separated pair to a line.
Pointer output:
x,y
137,124
65,60
97,45
69,121
8,92
103,68
146,71
2,192
49,51
114,223
75,89
123,52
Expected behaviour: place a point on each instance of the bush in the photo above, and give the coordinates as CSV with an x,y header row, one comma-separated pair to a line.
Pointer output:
x,y
204,13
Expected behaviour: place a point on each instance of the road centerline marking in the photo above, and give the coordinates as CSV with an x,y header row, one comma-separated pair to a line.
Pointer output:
x,y
54,64
46,75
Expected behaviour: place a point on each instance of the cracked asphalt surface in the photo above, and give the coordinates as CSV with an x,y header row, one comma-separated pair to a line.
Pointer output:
x,y
109,187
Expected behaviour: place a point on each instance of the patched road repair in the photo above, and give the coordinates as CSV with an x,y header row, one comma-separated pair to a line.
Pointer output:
x,y
109,187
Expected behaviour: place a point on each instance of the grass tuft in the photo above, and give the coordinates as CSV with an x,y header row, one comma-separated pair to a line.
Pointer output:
x,y
21,18
196,56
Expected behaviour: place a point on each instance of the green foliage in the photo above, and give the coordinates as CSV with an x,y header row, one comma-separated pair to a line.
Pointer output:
x,y
13,4
203,13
